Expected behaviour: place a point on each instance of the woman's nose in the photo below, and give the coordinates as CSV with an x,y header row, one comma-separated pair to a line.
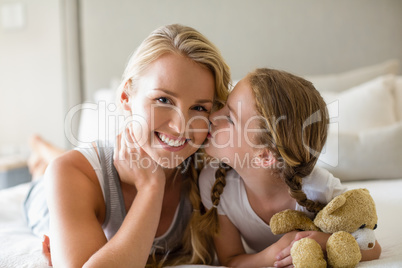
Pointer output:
x,y
177,121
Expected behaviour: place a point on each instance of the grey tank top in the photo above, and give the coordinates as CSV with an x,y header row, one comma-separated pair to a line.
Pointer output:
x,y
115,208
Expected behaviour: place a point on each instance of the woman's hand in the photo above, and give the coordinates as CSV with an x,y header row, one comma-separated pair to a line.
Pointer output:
x,y
283,257
134,165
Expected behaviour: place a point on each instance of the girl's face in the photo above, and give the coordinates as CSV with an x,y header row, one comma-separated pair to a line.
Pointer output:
x,y
234,128
170,106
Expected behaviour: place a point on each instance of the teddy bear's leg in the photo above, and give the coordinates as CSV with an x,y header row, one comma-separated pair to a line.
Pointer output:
x,y
343,250
307,253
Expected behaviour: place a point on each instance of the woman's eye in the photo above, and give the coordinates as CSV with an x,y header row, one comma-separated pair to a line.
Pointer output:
x,y
164,100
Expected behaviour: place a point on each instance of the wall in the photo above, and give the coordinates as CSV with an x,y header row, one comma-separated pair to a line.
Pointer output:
x,y
40,75
305,37
31,76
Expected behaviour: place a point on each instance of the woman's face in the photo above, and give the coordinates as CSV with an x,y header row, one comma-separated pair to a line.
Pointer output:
x,y
234,128
170,106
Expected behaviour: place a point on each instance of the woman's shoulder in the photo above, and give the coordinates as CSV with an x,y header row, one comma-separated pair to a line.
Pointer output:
x,y
71,167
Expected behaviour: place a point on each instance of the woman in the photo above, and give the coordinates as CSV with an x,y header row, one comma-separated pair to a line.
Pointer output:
x,y
117,207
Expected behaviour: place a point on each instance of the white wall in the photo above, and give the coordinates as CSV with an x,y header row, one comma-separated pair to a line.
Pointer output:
x,y
31,76
40,74
305,37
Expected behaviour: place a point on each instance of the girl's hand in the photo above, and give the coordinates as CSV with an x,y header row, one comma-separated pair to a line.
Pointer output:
x,y
284,259
134,165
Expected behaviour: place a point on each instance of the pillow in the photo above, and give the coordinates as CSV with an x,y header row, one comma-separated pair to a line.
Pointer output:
x,y
367,106
398,97
342,81
372,154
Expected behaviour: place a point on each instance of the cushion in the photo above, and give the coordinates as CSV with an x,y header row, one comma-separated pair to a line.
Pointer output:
x,y
371,154
364,140
342,81
367,106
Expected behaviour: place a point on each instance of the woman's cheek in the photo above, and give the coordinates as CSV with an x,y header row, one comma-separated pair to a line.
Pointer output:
x,y
199,129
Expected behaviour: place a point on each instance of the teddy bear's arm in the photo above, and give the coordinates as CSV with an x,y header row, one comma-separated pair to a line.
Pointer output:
x,y
291,220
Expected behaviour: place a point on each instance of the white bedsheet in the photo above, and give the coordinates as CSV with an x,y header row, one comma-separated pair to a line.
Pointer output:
x,y
19,248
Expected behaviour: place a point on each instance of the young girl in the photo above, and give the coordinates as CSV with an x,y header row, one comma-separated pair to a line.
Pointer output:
x,y
132,205
271,132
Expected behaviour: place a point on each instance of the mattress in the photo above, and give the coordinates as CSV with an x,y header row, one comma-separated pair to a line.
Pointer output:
x,y
19,248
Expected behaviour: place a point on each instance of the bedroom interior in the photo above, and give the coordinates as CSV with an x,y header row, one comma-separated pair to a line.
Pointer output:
x,y
60,61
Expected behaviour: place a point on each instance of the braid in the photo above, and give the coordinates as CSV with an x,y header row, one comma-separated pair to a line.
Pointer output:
x,y
293,179
220,183
210,221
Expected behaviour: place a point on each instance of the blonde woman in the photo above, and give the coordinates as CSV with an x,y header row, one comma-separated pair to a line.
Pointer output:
x,y
268,137
137,203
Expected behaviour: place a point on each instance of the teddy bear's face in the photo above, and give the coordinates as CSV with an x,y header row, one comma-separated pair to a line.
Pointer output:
x,y
353,212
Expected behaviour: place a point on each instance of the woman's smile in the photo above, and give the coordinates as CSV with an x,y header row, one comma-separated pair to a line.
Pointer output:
x,y
171,143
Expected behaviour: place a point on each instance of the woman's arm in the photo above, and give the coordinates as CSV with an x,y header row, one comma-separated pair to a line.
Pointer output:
x,y
75,202
131,245
231,252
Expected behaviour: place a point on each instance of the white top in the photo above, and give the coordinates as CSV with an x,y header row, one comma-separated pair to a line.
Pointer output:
x,y
320,186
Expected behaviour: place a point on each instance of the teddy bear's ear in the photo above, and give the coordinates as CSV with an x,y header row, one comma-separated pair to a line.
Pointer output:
x,y
335,203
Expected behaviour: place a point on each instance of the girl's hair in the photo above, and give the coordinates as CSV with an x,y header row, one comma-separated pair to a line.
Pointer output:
x,y
188,42
295,118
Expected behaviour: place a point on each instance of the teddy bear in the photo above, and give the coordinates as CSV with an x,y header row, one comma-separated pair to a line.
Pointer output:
x,y
351,219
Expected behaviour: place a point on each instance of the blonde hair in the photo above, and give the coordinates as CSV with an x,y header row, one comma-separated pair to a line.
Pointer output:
x,y
296,117
182,40
188,42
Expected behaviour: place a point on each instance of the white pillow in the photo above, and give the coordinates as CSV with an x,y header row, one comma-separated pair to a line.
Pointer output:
x,y
372,154
367,106
342,81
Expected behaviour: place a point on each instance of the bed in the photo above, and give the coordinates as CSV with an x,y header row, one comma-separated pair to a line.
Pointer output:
x,y
364,149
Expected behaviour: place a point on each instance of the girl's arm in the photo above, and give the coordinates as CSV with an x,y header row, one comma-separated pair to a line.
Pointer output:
x,y
231,252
